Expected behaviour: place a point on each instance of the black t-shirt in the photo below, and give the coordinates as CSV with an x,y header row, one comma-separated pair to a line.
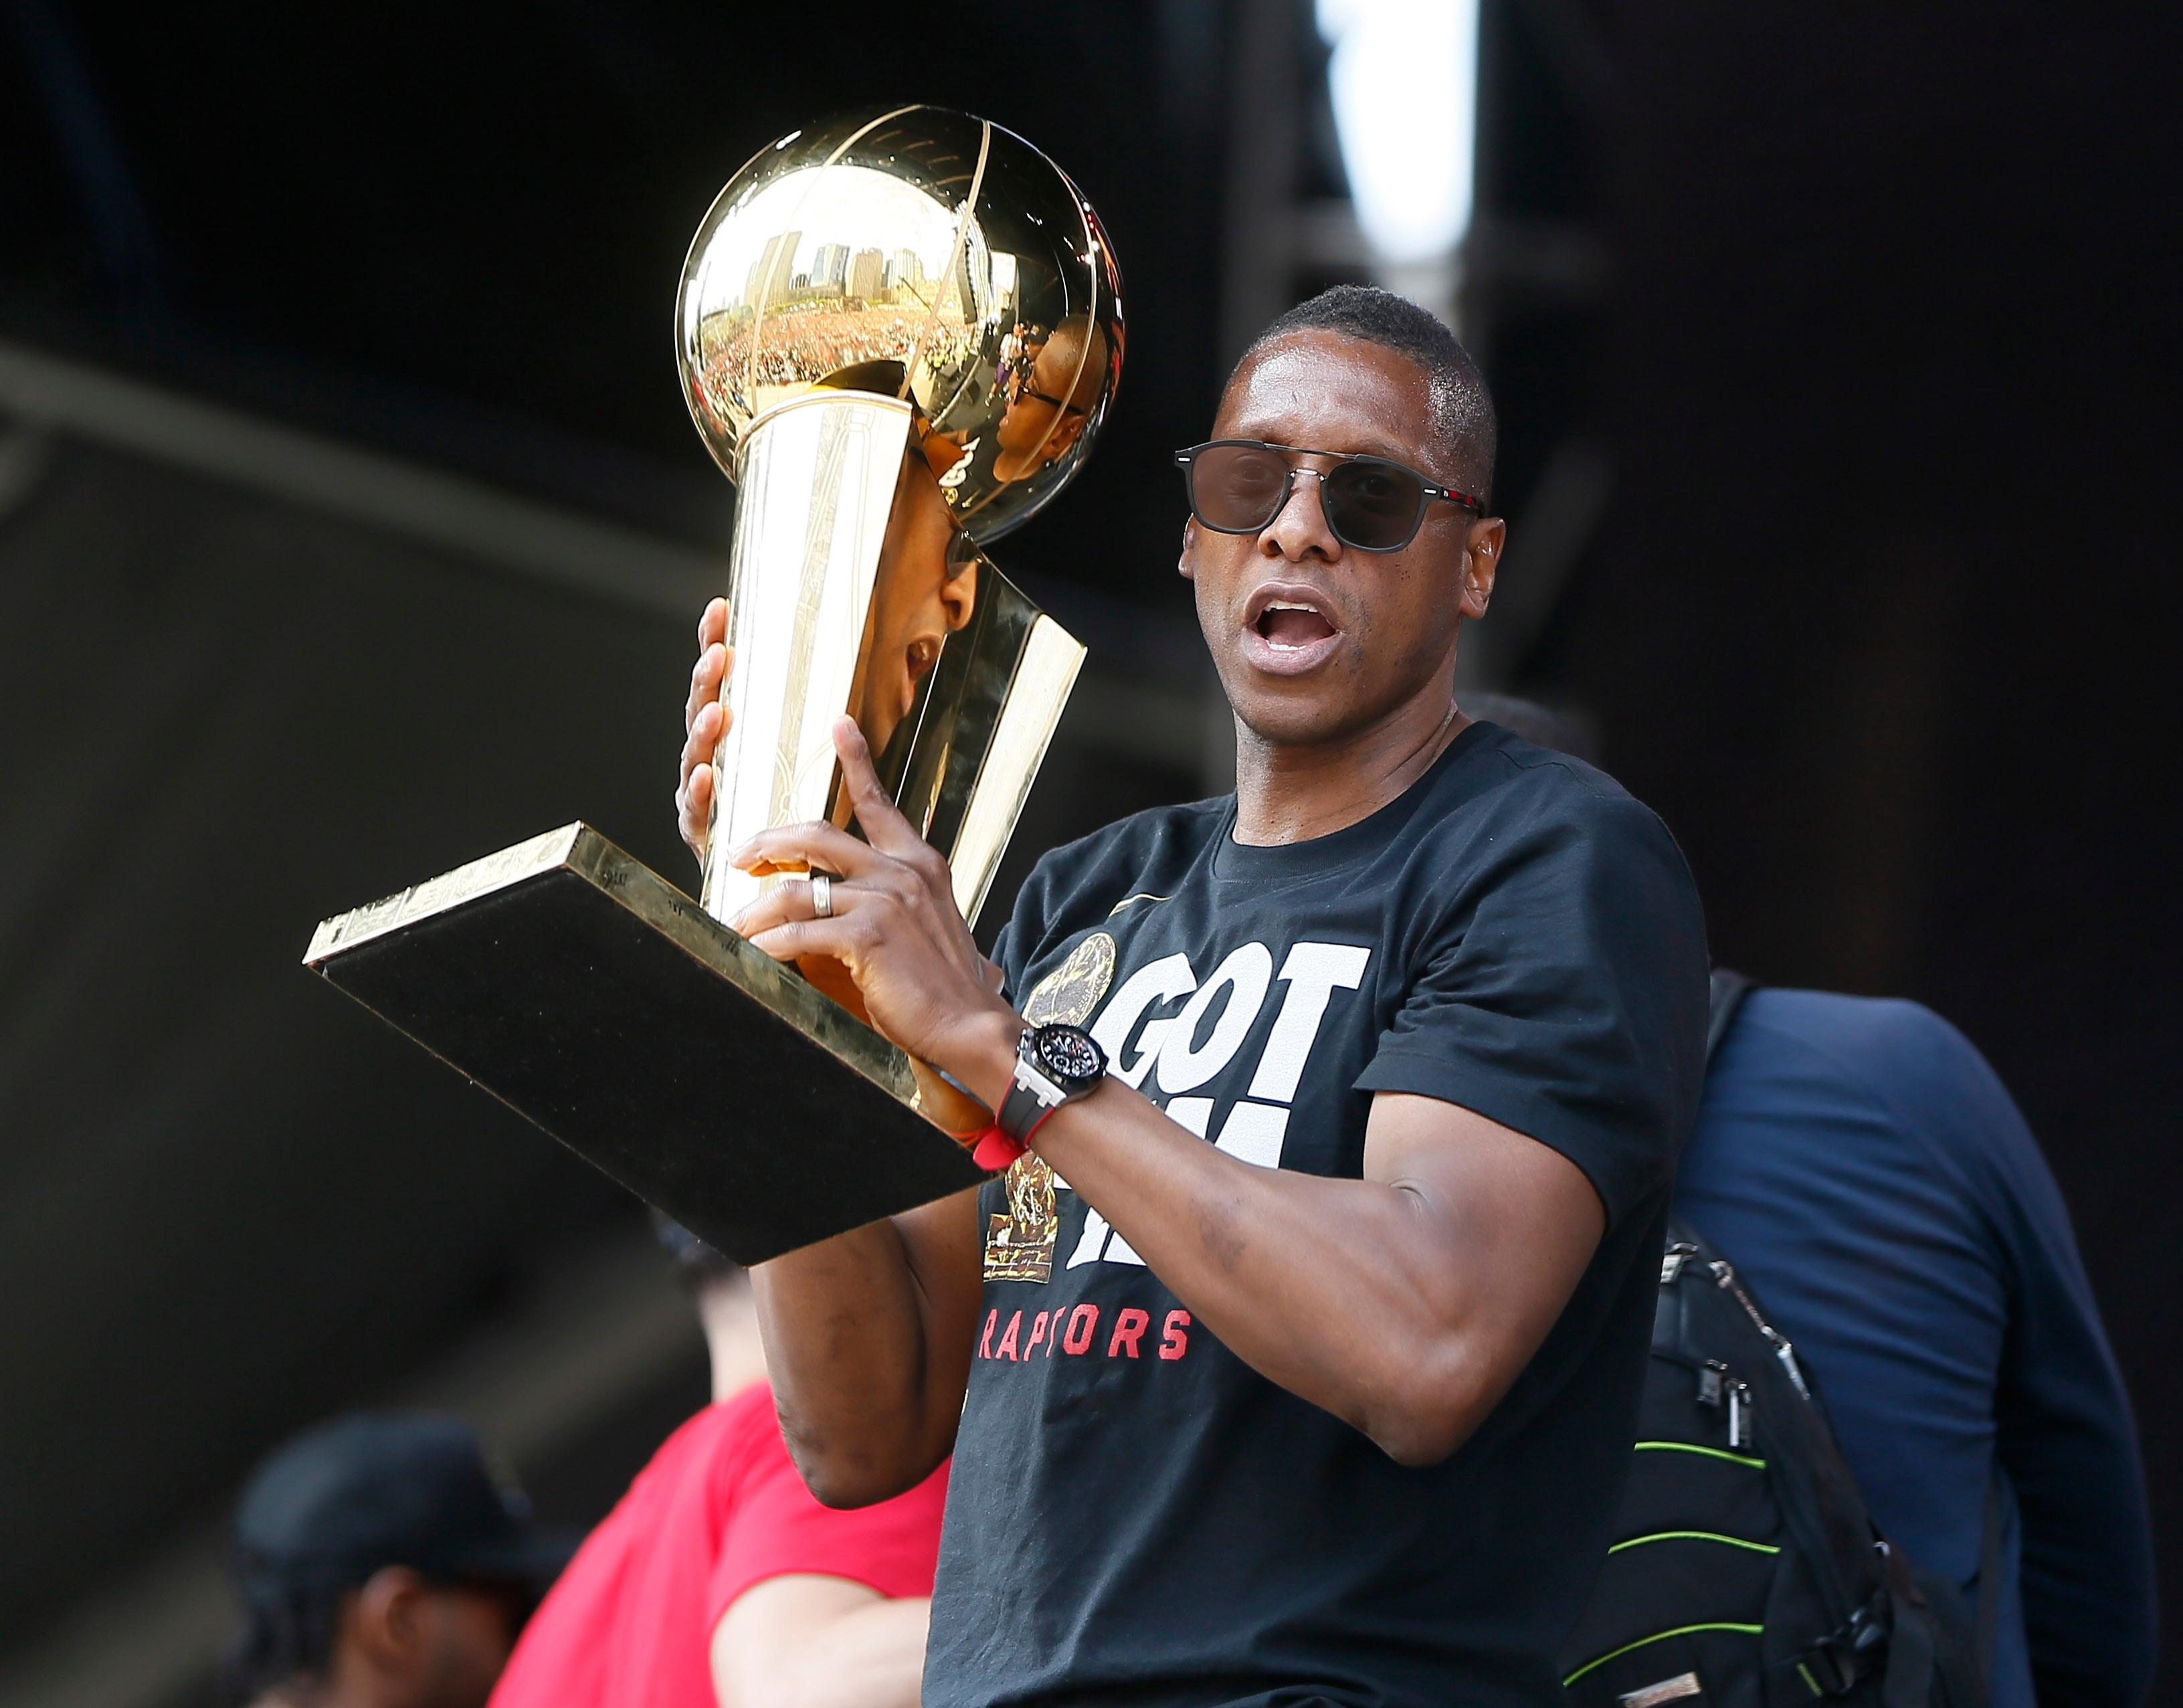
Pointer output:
x,y
1136,1515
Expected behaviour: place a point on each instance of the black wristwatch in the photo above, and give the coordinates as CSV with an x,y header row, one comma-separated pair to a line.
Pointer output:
x,y
1054,1064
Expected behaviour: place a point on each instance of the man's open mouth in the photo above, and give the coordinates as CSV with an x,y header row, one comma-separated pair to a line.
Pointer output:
x,y
1292,627
1288,630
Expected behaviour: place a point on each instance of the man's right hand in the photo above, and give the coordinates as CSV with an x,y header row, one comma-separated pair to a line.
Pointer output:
x,y
705,721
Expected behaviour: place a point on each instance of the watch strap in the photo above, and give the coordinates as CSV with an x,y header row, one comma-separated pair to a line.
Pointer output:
x,y
1031,1098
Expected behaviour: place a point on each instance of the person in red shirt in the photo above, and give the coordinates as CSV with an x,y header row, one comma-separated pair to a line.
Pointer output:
x,y
718,1581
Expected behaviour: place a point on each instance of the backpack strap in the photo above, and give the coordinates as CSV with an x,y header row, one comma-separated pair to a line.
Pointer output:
x,y
1910,1660
1729,991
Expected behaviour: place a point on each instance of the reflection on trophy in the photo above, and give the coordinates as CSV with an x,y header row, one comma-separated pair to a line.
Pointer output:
x,y
898,335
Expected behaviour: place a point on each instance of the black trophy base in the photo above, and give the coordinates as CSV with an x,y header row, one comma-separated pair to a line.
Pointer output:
x,y
598,1001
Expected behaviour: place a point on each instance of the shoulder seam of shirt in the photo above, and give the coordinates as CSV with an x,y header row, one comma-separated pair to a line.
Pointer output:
x,y
1595,784
1542,759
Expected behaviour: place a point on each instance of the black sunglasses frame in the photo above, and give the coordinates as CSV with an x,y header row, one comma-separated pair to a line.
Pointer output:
x,y
1019,387
1187,460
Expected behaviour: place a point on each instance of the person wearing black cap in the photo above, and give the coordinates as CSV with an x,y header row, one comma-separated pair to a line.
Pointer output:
x,y
381,1565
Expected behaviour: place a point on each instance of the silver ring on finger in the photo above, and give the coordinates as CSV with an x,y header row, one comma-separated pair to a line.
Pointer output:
x,y
822,895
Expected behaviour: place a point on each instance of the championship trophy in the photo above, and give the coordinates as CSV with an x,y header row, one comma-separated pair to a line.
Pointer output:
x,y
898,335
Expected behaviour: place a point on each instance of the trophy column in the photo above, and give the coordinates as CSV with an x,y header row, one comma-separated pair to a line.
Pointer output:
x,y
819,479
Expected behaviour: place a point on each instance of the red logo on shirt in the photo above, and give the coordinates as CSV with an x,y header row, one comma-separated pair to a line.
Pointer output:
x,y
1077,1333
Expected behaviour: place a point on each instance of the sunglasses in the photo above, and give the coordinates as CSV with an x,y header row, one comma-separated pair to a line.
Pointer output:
x,y
1019,387
1372,503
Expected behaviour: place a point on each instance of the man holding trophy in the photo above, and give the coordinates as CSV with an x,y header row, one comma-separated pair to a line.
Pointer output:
x,y
1295,1357
1290,1351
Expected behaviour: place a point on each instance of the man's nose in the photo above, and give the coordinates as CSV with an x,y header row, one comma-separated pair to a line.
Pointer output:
x,y
1300,526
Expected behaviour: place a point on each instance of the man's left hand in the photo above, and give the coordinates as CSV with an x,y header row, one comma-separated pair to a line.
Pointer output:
x,y
893,923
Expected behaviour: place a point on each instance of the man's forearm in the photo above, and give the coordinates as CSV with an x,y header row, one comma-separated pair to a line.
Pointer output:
x,y
867,1343
1285,1267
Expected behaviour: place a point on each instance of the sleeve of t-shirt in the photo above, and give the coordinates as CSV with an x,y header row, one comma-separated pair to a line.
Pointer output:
x,y
1562,995
775,1526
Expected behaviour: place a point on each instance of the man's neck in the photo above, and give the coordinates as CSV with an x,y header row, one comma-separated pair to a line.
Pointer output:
x,y
1293,793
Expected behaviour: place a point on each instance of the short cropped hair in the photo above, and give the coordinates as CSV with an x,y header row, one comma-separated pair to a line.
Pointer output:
x,y
1463,420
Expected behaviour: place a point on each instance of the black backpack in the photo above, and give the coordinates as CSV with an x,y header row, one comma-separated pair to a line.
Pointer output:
x,y
1746,1571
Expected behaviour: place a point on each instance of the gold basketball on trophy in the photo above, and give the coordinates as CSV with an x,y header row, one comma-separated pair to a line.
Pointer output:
x,y
924,255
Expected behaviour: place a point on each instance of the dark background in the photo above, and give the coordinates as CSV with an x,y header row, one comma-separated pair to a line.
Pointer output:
x,y
1837,356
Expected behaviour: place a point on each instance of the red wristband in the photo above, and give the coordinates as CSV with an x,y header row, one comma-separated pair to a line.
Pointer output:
x,y
993,1150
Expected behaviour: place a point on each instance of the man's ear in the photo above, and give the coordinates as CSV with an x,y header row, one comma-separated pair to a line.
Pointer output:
x,y
1481,562
386,1618
1066,432
1182,564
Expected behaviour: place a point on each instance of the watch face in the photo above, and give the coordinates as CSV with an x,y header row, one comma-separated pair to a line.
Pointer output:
x,y
1068,1054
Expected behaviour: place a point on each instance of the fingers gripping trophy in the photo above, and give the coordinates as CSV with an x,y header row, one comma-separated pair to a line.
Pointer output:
x,y
899,334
